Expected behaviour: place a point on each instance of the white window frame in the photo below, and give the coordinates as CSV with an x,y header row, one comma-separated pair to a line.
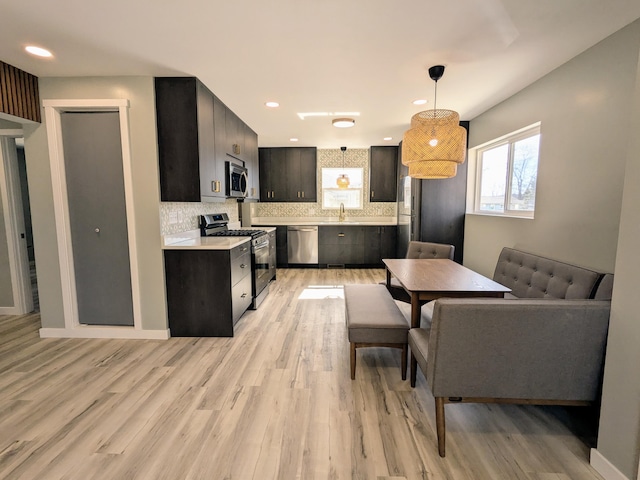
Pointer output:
x,y
508,139
354,195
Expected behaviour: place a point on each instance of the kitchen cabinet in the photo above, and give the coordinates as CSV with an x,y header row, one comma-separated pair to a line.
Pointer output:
x,y
273,254
355,246
288,174
251,162
380,242
236,140
207,290
189,171
340,245
443,207
383,163
282,248
197,134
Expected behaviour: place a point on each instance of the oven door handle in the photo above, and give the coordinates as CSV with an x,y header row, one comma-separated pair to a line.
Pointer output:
x,y
261,245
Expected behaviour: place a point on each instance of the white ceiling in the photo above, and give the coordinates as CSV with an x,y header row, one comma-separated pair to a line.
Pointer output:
x,y
369,56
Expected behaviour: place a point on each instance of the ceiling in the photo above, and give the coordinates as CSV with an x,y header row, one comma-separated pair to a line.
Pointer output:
x,y
367,56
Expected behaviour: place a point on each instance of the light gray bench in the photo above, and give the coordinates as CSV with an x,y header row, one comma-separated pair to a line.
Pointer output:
x,y
374,320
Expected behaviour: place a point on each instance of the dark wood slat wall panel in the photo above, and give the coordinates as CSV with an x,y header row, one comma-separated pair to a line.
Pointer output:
x,y
19,94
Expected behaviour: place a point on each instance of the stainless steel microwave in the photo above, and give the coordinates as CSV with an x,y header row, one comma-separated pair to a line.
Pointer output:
x,y
237,180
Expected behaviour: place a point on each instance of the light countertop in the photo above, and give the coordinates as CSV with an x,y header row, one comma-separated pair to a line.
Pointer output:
x,y
191,240
323,221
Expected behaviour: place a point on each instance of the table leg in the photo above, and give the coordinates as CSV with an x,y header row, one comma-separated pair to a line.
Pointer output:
x,y
416,311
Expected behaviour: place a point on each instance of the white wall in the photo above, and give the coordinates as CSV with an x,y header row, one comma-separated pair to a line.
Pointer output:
x,y
584,108
587,208
140,93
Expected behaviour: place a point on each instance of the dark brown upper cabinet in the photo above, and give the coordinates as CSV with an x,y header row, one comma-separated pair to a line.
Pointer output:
x,y
383,164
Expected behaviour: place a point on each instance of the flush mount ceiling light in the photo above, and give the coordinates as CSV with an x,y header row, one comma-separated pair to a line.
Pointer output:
x,y
343,122
343,179
436,143
38,51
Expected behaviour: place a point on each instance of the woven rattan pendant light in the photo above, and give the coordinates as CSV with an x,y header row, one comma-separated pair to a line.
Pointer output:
x,y
436,143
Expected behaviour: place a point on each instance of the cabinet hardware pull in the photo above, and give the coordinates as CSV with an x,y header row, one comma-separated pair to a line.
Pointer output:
x,y
242,265
373,194
243,295
302,194
341,234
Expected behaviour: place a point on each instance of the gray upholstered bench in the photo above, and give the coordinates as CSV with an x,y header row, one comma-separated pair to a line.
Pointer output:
x,y
374,320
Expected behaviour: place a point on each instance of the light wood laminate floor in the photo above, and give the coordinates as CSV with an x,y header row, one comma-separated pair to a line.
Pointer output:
x,y
274,402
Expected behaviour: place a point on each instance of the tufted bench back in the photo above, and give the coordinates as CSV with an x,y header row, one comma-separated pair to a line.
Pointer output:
x,y
430,250
532,276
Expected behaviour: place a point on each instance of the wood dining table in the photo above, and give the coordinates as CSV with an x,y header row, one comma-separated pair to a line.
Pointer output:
x,y
429,279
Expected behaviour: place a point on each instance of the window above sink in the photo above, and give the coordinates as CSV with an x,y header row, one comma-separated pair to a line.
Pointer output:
x,y
351,192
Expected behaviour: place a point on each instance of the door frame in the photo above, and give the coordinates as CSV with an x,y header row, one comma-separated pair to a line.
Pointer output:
x,y
53,109
14,226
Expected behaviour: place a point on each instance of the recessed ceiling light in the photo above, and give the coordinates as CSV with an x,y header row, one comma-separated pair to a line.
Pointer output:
x,y
293,139
386,139
272,104
343,122
38,52
420,101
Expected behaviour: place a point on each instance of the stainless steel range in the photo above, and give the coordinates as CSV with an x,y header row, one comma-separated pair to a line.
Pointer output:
x,y
216,225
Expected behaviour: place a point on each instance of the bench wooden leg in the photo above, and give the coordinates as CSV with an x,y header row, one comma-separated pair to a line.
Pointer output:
x,y
440,427
414,369
404,362
353,361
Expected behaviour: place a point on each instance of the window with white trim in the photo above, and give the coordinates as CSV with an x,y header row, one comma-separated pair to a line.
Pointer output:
x,y
507,174
350,195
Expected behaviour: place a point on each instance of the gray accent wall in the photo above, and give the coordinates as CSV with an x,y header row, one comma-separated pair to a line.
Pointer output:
x,y
140,93
587,205
619,433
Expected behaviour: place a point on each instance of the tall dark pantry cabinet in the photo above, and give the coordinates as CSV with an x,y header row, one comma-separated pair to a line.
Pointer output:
x,y
437,210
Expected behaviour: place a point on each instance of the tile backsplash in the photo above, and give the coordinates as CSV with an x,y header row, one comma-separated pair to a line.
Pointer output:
x,y
178,217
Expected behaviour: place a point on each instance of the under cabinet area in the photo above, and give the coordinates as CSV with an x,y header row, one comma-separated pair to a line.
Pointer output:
x,y
207,290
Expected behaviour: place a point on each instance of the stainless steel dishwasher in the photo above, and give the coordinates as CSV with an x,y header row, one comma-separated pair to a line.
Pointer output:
x,y
302,244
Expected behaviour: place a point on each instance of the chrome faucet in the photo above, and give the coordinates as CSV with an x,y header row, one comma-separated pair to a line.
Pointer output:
x,y
341,216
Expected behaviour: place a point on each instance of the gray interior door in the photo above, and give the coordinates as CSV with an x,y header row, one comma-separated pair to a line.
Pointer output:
x,y
97,216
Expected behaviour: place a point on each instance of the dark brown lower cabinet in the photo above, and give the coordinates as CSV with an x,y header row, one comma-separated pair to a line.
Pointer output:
x,y
380,242
207,290
355,246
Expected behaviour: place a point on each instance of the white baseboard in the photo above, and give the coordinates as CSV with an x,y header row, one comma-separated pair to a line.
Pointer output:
x,y
10,311
105,332
604,467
